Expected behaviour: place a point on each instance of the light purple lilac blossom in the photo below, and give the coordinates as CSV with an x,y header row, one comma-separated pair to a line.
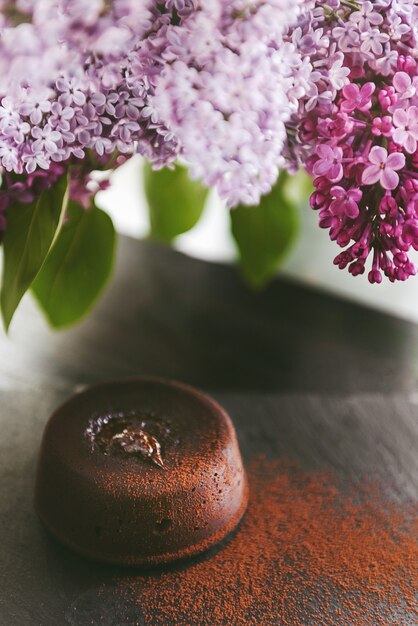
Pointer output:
x,y
359,138
205,81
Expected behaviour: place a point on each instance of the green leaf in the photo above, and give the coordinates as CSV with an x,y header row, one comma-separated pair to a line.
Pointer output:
x,y
31,231
78,267
298,187
175,202
264,234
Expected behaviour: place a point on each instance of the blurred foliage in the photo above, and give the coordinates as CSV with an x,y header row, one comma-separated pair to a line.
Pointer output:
x,y
175,203
67,265
31,232
264,234
78,267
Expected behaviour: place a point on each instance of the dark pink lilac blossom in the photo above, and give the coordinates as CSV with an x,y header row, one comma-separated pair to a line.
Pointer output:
x,y
359,140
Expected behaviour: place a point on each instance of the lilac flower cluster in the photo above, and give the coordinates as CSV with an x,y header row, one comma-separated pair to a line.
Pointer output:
x,y
236,90
227,90
68,94
356,131
90,82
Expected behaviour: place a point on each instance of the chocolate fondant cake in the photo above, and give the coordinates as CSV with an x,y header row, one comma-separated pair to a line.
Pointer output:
x,y
140,472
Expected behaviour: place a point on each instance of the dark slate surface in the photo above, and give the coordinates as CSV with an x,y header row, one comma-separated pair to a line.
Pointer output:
x,y
303,375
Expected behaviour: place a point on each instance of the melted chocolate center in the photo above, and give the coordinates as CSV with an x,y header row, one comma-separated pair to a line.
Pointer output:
x,y
144,436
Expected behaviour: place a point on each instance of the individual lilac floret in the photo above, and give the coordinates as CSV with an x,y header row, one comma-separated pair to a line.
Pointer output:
x,y
383,168
329,162
406,128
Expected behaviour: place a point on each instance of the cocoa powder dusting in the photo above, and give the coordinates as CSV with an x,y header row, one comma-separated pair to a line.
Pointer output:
x,y
310,550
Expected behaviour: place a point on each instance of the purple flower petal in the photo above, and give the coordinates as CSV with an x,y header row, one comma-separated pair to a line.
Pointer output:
x,y
395,161
389,179
371,175
378,155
